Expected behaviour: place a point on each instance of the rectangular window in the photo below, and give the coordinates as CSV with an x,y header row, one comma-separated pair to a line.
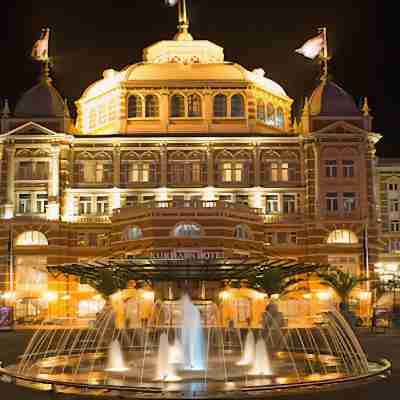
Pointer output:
x,y
269,238
330,168
348,168
102,205
131,201
238,175
226,197
85,205
41,203
395,226
242,199
24,203
289,204
272,204
149,197
25,170
196,173
274,172
293,237
227,172
394,205
349,202
331,202
285,172
281,238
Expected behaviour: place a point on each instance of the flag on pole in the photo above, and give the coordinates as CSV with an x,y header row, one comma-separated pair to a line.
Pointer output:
x,y
40,50
313,47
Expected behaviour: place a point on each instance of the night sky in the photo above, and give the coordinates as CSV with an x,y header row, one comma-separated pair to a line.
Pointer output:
x,y
89,37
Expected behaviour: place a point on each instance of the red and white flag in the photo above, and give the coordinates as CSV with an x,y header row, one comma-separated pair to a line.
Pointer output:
x,y
313,47
40,50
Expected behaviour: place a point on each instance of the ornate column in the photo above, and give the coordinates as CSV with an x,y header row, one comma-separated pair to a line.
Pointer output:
x,y
164,109
117,166
257,170
53,209
164,166
9,208
210,166
208,108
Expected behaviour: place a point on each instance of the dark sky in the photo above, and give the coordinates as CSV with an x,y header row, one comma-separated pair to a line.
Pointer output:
x,y
90,36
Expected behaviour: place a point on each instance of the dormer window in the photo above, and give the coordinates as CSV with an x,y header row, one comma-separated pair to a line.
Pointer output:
x,y
194,105
152,106
135,108
237,106
177,106
280,118
220,106
270,114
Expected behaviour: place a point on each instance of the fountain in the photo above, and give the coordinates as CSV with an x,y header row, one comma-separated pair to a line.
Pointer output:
x,y
249,349
115,359
192,336
260,363
181,354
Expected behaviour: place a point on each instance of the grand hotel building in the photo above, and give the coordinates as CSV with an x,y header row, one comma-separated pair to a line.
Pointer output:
x,y
186,155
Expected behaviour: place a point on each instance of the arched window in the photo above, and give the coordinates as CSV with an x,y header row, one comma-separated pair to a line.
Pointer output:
x,y
135,108
92,119
220,106
342,236
177,106
133,233
31,238
242,232
112,110
194,105
152,106
237,106
261,111
187,230
270,115
280,118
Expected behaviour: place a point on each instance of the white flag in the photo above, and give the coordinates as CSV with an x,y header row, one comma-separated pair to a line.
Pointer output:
x,y
171,3
313,47
40,50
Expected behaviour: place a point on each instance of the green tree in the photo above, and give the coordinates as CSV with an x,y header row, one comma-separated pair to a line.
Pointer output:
x,y
343,283
280,279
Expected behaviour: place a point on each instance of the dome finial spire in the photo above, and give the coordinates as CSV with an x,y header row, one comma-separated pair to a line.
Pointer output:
x,y
183,22
365,108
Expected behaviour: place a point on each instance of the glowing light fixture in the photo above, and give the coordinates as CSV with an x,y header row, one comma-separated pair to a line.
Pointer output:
x,y
324,296
50,296
149,296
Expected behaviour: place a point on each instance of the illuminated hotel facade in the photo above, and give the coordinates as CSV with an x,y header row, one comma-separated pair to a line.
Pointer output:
x,y
182,155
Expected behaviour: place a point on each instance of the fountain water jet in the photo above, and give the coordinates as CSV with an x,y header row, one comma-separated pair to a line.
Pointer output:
x,y
249,350
115,359
261,364
165,370
192,336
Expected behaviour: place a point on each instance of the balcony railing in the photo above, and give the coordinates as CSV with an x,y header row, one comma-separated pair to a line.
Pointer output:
x,y
196,204
92,218
30,176
283,218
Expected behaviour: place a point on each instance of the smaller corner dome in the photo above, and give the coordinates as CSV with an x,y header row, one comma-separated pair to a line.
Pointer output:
x,y
42,101
330,100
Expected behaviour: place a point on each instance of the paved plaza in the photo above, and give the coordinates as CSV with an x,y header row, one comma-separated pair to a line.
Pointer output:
x,y
379,345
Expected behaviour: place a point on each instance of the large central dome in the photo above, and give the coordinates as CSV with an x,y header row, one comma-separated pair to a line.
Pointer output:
x,y
229,98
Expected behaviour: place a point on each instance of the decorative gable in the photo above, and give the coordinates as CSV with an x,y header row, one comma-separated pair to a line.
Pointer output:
x,y
342,127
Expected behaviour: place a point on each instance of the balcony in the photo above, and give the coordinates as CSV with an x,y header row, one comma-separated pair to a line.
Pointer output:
x,y
284,218
30,176
189,208
91,219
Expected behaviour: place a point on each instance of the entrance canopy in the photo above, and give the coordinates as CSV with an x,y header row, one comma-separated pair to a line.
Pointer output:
x,y
167,270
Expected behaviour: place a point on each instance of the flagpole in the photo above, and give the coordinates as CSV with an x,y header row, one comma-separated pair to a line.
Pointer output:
x,y
324,56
